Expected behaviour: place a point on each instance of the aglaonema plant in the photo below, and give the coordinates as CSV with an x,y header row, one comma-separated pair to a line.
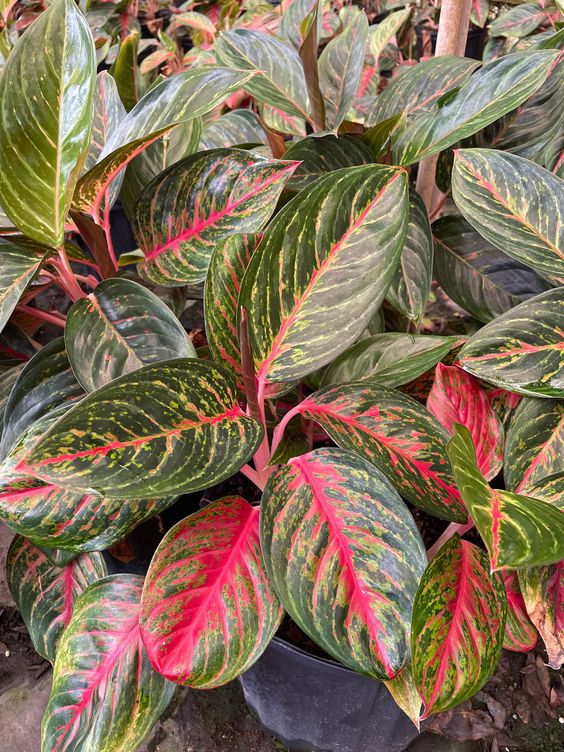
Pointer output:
x,y
343,426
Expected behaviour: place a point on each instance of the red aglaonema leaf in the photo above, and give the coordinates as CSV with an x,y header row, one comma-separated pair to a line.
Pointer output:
x,y
208,610
105,693
504,403
520,633
543,592
457,626
456,397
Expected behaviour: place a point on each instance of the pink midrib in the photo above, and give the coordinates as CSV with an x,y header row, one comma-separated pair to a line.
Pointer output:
x,y
68,586
214,217
525,349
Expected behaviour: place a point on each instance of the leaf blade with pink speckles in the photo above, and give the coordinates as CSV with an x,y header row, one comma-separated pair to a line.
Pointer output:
x,y
344,556
457,626
520,633
45,594
543,593
208,610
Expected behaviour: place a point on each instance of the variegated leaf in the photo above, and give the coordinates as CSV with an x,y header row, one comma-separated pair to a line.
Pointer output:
x,y
45,594
234,128
167,428
199,201
208,610
458,626
280,81
534,450
456,397
543,592
15,347
323,266
515,204
319,155
519,531
520,633
105,693
340,68
493,91
397,435
292,19
478,276
345,557
117,329
403,690
479,12
46,93
228,263
411,286
18,266
383,32
520,21
277,120
391,359
504,403
108,112
522,350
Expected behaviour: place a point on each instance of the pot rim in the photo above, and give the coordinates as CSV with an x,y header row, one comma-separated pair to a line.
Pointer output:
x,y
317,659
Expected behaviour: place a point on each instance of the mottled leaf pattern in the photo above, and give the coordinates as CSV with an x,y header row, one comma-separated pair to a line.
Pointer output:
x,y
522,350
18,266
458,626
45,594
105,694
456,397
301,286
543,592
117,329
208,609
319,155
518,531
345,557
197,202
520,633
164,429
515,204
403,690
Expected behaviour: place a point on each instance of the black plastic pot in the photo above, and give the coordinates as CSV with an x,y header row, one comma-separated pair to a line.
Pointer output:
x,y
474,42
318,705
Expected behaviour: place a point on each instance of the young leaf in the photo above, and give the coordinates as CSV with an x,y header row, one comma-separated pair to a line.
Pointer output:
x,y
534,449
18,266
125,72
519,531
281,81
345,557
457,627
208,610
340,69
118,328
493,91
46,92
456,397
183,213
476,275
410,288
515,204
543,593
335,246
521,350
397,435
45,594
167,428
520,633
105,694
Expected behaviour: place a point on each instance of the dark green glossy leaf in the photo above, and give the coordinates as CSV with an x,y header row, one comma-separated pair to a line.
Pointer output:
x,y
345,557
378,138
18,266
15,347
125,70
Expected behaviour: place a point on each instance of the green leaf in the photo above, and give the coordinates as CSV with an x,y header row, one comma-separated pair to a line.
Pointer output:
x,y
411,286
457,627
519,531
534,450
479,12
418,88
105,694
493,91
292,19
108,112
520,633
167,428
195,203
117,329
515,204
319,155
521,350
125,71
403,690
336,246
519,22
234,128
340,70
277,120
208,610
391,359
378,138
228,263
543,593
45,594
397,435
46,91
18,266
345,557
382,33
476,275
281,81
